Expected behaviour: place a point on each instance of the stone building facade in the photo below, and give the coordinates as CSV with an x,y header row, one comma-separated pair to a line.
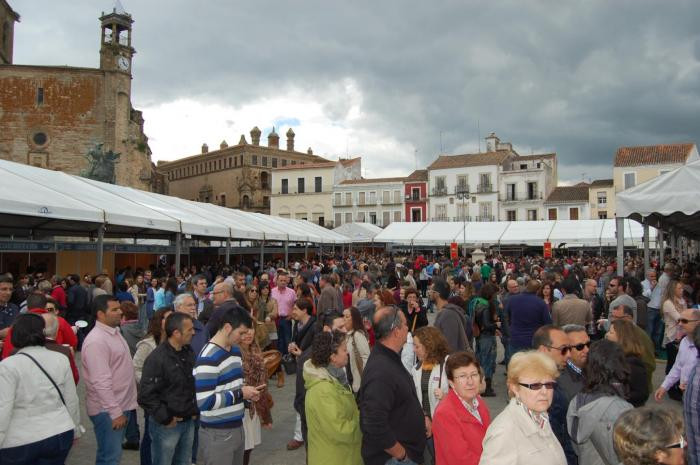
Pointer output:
x,y
54,116
238,176
8,17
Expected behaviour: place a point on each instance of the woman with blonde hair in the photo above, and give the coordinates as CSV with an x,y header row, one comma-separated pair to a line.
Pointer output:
x,y
672,306
650,436
521,433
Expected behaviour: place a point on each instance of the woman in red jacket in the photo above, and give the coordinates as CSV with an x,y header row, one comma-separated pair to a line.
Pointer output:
x,y
461,419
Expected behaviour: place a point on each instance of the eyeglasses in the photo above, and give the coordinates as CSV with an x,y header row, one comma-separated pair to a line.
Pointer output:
x,y
562,349
537,386
679,445
253,291
580,347
685,321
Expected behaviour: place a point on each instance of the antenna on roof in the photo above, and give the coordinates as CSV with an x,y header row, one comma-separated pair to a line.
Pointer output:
x,y
478,134
415,158
441,149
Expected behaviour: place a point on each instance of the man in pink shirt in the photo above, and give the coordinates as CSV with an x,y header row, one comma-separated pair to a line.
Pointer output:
x,y
285,298
110,384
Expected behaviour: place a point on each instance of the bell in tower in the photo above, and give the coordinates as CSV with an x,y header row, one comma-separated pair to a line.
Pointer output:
x,y
116,51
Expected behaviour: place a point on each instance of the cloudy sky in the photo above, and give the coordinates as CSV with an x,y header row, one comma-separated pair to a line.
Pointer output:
x,y
398,81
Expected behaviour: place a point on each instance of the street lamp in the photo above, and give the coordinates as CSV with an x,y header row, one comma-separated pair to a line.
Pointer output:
x,y
462,193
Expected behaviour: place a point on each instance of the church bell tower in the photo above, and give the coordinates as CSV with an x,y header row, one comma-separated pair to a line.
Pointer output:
x,y
116,51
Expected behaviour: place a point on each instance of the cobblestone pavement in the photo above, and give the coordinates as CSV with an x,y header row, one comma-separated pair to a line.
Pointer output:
x,y
273,450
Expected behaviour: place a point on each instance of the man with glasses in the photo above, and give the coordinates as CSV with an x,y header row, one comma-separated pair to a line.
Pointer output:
x,y
554,343
391,418
687,355
571,378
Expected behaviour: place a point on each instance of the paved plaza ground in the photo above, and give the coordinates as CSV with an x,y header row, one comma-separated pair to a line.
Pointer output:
x,y
272,451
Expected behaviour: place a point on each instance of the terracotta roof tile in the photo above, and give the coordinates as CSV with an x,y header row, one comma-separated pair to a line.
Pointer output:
x,y
418,175
569,194
535,157
653,154
471,159
602,183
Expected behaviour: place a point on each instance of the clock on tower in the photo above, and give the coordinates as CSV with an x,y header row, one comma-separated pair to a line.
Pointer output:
x,y
116,51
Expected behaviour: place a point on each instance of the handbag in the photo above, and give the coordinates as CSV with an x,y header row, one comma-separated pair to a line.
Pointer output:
x,y
289,363
272,360
356,354
60,394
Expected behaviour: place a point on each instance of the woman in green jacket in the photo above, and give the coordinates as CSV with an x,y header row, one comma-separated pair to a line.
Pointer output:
x,y
331,411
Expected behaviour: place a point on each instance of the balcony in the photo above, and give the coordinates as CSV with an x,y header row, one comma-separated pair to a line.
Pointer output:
x,y
440,218
461,189
415,198
367,203
521,197
391,202
462,218
484,188
342,203
439,191
484,218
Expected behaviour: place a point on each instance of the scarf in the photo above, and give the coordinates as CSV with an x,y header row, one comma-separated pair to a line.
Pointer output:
x,y
339,374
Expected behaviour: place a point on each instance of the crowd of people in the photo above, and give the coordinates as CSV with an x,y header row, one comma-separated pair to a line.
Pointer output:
x,y
393,357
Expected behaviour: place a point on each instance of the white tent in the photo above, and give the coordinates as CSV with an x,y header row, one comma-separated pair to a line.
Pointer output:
x,y
358,232
527,232
399,233
488,232
439,233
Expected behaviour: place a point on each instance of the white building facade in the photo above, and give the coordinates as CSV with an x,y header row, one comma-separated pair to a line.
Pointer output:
x,y
376,201
524,183
569,203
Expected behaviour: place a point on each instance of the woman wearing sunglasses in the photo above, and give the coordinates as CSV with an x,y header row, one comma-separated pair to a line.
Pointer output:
x,y
601,402
650,435
521,433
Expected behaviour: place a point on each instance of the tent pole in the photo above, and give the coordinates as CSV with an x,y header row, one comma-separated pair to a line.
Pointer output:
x,y
100,248
286,254
646,246
673,244
228,250
178,252
306,250
262,252
661,248
620,229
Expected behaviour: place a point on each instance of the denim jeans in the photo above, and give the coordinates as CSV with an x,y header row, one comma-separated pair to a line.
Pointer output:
x,y
171,445
284,335
393,461
486,353
132,428
145,450
655,327
49,451
109,441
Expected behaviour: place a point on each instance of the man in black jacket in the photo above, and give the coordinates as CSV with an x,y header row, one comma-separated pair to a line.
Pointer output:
x,y
391,418
77,299
167,392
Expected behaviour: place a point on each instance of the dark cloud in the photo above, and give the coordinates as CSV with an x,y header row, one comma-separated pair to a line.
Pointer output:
x,y
579,78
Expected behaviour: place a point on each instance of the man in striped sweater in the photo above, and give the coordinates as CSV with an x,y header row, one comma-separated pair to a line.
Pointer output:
x,y
221,391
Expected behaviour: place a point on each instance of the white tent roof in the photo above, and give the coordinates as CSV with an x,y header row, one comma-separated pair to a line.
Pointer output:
x,y
358,232
439,233
328,235
485,232
399,233
576,232
527,232
667,200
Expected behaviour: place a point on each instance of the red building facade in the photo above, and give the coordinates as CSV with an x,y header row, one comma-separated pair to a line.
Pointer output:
x,y
416,196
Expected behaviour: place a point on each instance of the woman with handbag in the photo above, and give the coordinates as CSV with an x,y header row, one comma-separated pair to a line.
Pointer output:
x,y
358,345
39,411
429,377
265,309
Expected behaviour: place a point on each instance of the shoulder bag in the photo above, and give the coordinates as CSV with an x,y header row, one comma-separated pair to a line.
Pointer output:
x,y
60,394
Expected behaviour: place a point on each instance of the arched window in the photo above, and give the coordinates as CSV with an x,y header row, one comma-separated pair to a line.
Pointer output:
x,y
245,202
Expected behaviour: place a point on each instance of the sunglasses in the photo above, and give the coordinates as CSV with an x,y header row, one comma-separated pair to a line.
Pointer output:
x,y
679,445
580,347
537,386
685,321
562,349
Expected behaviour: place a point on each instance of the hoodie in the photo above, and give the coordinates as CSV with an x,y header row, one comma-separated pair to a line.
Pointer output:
x,y
590,420
452,322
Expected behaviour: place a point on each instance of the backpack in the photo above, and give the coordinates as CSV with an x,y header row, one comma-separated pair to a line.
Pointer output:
x,y
475,307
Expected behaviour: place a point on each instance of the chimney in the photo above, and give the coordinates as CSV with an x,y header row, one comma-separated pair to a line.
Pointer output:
x,y
242,141
255,135
273,140
223,145
310,152
492,142
205,148
290,140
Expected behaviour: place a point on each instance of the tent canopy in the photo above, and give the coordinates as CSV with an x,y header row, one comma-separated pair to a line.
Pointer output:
x,y
358,232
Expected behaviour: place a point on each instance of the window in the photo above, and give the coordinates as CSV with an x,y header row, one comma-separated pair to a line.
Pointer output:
x,y
630,180
285,186
539,165
266,202
397,215
294,162
602,199
531,190
264,184
40,96
245,202
397,196
361,198
440,186
254,160
441,212
348,217
284,162
318,184
416,215
484,182
360,217
511,215
235,161
336,200
337,218
485,211
386,197
510,192
222,200
372,198
321,221
523,166
462,183
463,212
348,200
415,194
241,162
300,185
603,215
274,163
264,161
573,213
373,217
386,218
552,213
39,139
532,215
